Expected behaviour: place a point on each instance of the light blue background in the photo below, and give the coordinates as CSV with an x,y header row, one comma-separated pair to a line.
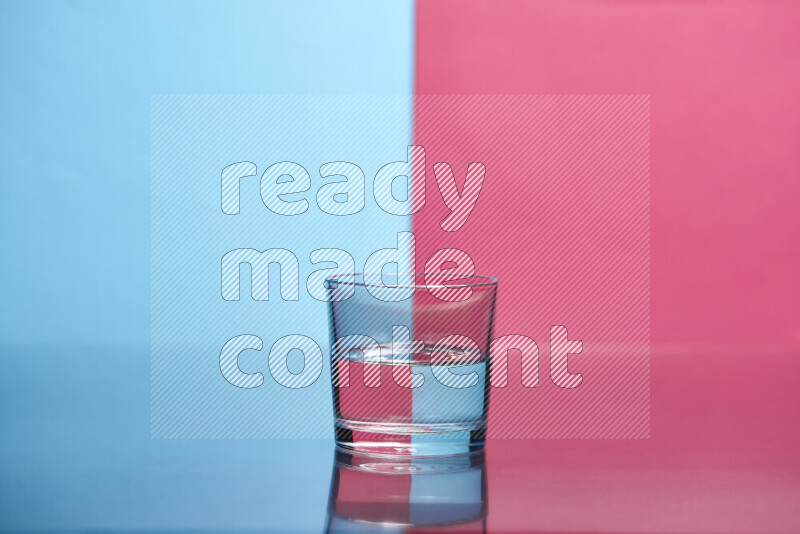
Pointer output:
x,y
77,79
76,84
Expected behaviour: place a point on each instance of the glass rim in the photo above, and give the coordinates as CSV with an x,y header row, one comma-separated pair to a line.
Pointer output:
x,y
484,281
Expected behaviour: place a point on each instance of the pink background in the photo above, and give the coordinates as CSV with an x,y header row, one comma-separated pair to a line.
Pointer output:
x,y
723,83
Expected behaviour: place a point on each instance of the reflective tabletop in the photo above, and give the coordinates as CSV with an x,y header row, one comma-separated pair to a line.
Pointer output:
x,y
722,457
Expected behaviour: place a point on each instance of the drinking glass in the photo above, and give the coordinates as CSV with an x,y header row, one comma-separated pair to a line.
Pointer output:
x,y
410,362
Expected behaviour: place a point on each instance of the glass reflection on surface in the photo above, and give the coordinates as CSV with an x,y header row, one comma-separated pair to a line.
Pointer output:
x,y
409,495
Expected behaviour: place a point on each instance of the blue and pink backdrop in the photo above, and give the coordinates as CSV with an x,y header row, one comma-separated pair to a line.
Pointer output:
x,y
640,189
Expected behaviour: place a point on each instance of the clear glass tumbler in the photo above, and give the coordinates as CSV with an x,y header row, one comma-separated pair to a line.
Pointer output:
x,y
410,362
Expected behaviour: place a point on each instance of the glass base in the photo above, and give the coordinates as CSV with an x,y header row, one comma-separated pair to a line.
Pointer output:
x,y
409,440
372,494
